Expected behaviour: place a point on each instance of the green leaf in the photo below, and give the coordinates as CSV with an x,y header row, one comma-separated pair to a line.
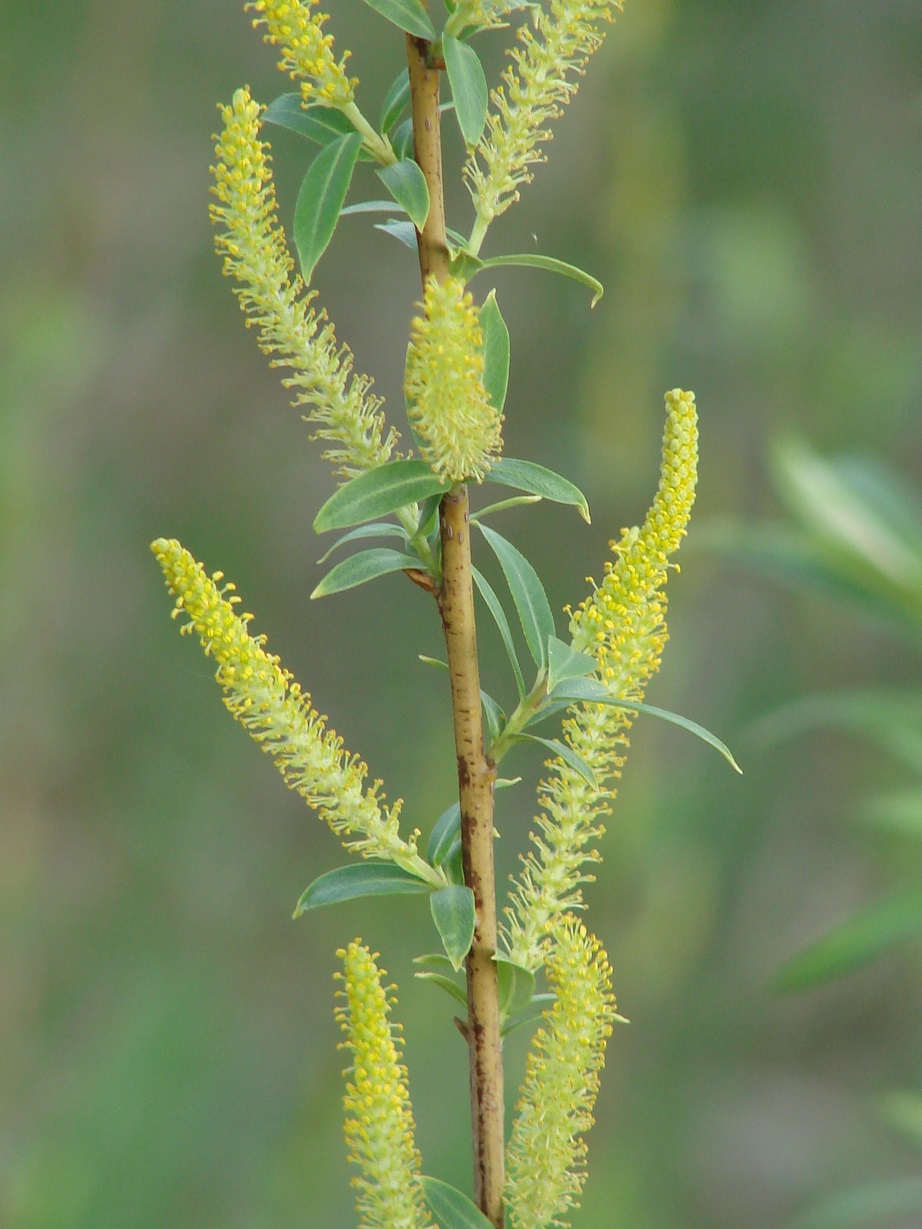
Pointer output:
x,y
376,493
468,87
453,866
433,661
567,754
589,691
516,985
365,566
493,715
534,1008
395,100
502,505
537,480
564,663
533,260
378,529
443,835
528,594
367,207
495,608
405,232
323,192
495,351
402,139
857,942
451,1208
407,15
457,992
317,123
407,184
438,960
453,914
359,879
874,1203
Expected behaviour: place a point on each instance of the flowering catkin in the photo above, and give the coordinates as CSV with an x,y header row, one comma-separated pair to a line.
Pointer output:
x,y
307,53
255,254
622,624
379,1118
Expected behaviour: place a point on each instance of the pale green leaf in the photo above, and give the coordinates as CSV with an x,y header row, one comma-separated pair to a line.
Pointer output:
x,y
468,87
453,914
537,1005
407,15
323,192
365,566
317,123
451,1208
567,754
564,663
538,480
407,184
495,351
443,835
376,493
379,529
395,100
528,594
495,608
458,993
533,260
494,716
359,879
368,207
404,232
516,985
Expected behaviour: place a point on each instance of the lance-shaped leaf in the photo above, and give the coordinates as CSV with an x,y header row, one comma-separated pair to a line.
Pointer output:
x,y
451,1208
528,594
534,260
538,480
516,985
321,198
318,123
404,232
379,529
444,834
445,983
365,566
468,87
495,351
395,100
359,879
407,15
567,754
493,715
488,593
453,914
407,184
378,492
565,663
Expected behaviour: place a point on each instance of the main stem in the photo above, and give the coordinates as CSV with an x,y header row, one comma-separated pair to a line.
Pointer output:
x,y
476,773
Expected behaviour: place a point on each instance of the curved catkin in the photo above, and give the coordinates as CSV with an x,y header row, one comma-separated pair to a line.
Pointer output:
x,y
545,1158
622,623
296,29
336,400
379,1124
458,427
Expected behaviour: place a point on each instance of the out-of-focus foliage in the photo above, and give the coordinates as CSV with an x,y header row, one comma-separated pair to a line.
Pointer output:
x,y
745,179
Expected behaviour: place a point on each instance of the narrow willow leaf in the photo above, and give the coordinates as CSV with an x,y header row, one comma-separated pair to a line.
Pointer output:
x,y
323,192
443,835
376,493
429,515
407,15
589,691
469,90
451,1208
493,715
437,960
453,914
317,123
367,207
528,594
365,566
402,139
457,992
488,593
407,184
874,1203
502,505
378,529
564,663
534,1008
433,661
405,232
567,754
395,100
359,879
538,480
533,260
516,985
453,866
495,351
856,942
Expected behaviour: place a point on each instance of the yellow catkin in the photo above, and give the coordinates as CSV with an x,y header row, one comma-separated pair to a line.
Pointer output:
x,y
336,400
623,625
296,29
379,1118
458,427
545,1158
535,87
271,706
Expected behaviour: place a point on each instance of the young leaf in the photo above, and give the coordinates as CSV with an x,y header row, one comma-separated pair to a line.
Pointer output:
x,y
453,914
502,505
376,493
321,197
488,593
402,139
453,866
528,594
533,260
590,691
443,835
378,529
359,879
567,754
359,569
407,15
495,351
445,983
468,87
368,207
856,942
405,232
537,1005
564,663
395,100
317,123
407,184
451,1208
516,985
493,715
537,480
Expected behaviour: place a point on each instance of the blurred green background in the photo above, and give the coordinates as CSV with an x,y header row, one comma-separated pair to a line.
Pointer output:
x,y
746,179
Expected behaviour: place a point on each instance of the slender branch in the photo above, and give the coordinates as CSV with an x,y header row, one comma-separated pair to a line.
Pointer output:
x,y
476,773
